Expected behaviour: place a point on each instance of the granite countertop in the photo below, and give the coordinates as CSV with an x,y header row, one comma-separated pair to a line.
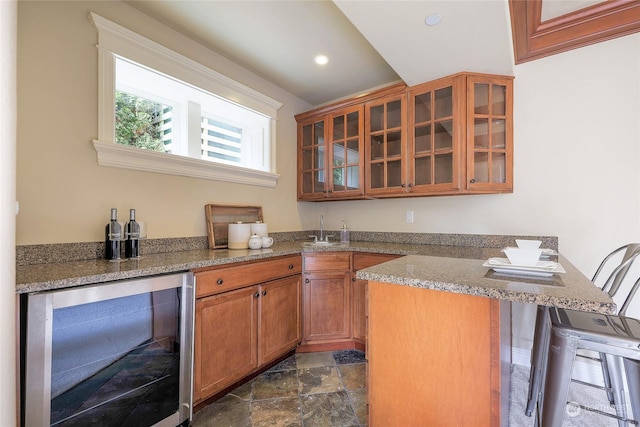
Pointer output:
x,y
431,266
570,290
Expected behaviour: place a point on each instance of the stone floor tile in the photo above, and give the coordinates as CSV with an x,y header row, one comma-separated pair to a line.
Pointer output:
x,y
286,365
270,385
283,412
228,411
323,379
359,403
353,376
314,360
327,410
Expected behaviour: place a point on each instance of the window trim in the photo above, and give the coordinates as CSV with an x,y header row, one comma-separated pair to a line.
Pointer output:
x,y
114,39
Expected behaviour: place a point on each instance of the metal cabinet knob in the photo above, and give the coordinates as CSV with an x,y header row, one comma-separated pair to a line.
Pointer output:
x,y
219,281
256,295
472,180
290,266
264,293
306,280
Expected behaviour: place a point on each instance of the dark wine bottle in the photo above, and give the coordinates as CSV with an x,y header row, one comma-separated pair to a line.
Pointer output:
x,y
132,233
112,236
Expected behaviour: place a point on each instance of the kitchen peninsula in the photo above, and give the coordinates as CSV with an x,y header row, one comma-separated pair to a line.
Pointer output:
x,y
438,321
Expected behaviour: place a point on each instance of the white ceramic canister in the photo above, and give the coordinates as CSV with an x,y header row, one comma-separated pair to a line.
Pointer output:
x,y
259,228
238,237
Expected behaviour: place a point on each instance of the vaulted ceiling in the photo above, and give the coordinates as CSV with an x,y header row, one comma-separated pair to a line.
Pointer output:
x,y
372,43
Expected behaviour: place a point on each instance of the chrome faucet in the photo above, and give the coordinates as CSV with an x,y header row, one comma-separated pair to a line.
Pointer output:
x,y
323,238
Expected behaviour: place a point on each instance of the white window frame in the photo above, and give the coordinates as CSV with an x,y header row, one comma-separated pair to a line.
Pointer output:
x,y
114,39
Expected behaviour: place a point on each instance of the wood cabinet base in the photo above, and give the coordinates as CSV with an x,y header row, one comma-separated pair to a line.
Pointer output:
x,y
331,346
437,358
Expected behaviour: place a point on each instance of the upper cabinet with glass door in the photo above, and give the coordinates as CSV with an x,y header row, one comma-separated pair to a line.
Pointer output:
x,y
345,153
460,137
450,136
330,156
312,172
490,133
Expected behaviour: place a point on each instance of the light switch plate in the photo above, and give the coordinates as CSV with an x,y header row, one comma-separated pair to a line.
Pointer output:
x,y
408,217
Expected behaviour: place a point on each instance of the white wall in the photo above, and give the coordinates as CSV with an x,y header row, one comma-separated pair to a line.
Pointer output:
x,y
8,22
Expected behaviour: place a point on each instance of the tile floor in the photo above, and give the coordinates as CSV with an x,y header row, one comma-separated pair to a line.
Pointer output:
x,y
306,389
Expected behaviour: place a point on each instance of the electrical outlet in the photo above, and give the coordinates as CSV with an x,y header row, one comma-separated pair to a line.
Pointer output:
x,y
408,217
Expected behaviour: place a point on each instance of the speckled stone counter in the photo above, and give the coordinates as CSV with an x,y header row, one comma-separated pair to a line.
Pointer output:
x,y
467,276
445,263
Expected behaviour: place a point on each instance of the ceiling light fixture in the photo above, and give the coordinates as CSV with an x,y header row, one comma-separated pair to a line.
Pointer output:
x,y
321,59
433,19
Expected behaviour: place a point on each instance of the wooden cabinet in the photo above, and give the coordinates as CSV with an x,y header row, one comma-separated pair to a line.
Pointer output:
x,y
331,150
330,155
385,145
450,136
326,320
359,295
437,358
245,317
334,301
225,344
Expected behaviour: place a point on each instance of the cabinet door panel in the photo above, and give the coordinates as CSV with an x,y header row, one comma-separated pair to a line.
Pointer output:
x,y
346,154
280,314
326,306
225,345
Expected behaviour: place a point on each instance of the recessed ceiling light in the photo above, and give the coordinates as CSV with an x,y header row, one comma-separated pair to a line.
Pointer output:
x,y
321,59
433,19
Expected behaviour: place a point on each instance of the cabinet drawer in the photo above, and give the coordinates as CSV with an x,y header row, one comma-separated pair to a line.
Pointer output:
x,y
327,261
366,260
209,282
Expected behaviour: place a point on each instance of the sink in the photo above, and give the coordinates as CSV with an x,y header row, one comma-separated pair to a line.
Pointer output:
x,y
321,244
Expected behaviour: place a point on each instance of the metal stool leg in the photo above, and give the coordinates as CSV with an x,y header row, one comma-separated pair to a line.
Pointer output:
x,y
562,351
632,369
538,353
617,388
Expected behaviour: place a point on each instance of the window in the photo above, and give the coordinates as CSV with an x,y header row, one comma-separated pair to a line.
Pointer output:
x,y
155,102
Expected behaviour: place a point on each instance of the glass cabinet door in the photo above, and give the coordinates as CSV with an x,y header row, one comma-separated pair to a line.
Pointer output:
x,y
346,153
490,133
385,142
432,142
313,183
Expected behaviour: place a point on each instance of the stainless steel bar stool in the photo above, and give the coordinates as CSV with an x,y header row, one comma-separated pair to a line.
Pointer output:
x,y
616,337
614,267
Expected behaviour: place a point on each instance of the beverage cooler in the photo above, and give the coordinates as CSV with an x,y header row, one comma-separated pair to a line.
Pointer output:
x,y
112,354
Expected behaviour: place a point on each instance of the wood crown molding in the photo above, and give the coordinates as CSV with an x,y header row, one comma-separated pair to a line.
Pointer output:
x,y
534,39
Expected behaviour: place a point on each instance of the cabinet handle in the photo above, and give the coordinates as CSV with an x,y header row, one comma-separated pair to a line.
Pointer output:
x,y
353,279
219,281
264,293
410,185
402,185
290,266
472,180
256,295
306,280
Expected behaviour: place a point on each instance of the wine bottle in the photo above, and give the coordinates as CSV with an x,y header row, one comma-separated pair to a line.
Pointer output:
x,y
113,234
132,233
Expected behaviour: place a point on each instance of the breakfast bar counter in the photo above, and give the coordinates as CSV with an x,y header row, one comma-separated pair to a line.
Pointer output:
x,y
439,336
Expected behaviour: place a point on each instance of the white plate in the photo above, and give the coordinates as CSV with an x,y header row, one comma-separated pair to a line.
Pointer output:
x,y
542,268
545,252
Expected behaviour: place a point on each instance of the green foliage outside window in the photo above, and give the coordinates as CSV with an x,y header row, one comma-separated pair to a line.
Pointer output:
x,y
137,122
